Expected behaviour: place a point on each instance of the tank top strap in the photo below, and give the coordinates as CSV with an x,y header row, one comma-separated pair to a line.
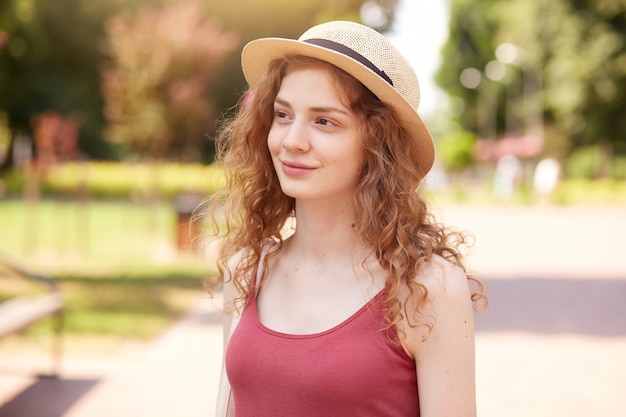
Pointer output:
x,y
258,274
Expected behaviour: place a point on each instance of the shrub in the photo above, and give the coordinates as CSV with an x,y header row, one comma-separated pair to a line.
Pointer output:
x,y
585,162
456,150
619,168
121,180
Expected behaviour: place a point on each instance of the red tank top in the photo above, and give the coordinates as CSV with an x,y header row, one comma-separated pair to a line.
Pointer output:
x,y
352,369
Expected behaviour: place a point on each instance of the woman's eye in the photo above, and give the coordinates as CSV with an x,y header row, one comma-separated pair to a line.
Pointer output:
x,y
325,122
279,114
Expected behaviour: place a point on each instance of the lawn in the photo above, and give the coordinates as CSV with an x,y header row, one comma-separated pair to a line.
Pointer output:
x,y
117,264
97,239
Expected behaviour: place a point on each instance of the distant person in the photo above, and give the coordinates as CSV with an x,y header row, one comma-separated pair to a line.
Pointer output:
x,y
346,297
546,176
507,176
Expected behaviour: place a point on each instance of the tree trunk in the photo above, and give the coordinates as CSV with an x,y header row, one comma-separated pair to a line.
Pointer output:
x,y
8,162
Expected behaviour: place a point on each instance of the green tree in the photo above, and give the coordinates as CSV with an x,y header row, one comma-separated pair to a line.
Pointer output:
x,y
50,61
51,53
157,85
574,50
252,19
456,150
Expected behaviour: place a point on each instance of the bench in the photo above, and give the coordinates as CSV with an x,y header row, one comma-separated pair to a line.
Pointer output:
x,y
22,310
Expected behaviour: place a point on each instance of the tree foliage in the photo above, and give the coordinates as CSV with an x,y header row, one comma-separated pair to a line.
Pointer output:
x,y
574,49
50,61
52,55
456,150
158,84
252,19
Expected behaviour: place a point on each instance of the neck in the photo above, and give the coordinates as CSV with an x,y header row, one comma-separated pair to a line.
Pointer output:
x,y
324,231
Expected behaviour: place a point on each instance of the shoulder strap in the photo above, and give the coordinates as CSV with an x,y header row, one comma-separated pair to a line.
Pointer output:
x,y
224,393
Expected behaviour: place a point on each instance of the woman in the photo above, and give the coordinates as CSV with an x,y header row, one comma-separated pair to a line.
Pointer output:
x,y
346,297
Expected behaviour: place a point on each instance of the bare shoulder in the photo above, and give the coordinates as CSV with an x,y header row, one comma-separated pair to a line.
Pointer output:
x,y
444,353
443,279
447,308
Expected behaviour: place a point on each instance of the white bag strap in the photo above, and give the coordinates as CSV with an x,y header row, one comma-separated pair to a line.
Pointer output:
x,y
224,393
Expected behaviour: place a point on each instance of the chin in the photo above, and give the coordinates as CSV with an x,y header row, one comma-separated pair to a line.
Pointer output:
x,y
298,191
292,193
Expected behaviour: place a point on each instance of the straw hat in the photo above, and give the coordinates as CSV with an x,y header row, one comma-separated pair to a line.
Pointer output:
x,y
361,52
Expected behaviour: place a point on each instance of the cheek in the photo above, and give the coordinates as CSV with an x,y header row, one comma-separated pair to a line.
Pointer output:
x,y
359,165
359,154
273,141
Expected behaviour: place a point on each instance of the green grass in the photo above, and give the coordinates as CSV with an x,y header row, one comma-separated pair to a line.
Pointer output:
x,y
104,317
119,180
116,263
581,191
129,310
96,239
567,192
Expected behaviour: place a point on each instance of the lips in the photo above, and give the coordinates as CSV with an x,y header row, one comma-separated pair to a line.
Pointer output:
x,y
296,169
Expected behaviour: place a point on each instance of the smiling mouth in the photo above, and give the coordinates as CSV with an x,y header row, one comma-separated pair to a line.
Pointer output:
x,y
290,168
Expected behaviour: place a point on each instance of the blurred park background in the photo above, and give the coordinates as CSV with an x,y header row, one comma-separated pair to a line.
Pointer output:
x,y
107,110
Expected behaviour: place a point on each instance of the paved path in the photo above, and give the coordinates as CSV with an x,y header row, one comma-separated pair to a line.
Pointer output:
x,y
553,343
577,242
176,375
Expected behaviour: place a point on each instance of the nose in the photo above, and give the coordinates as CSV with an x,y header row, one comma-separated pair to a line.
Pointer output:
x,y
296,137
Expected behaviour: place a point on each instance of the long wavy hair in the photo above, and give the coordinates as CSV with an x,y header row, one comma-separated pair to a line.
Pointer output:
x,y
393,219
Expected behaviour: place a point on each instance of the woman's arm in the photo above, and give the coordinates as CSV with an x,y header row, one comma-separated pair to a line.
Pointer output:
x,y
444,361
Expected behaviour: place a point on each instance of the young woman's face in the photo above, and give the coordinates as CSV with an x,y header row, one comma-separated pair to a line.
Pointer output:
x,y
316,142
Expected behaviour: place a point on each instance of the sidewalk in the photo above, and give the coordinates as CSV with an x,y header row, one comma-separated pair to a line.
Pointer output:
x,y
553,343
573,242
176,375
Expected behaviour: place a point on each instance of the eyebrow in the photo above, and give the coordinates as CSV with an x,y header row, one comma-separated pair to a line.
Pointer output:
x,y
321,109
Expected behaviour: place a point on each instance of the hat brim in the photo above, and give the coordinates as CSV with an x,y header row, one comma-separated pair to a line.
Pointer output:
x,y
258,54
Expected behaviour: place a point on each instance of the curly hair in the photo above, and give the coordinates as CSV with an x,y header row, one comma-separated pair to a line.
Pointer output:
x,y
395,221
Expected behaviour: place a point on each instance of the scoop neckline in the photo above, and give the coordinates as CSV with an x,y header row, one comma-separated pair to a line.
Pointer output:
x,y
333,329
